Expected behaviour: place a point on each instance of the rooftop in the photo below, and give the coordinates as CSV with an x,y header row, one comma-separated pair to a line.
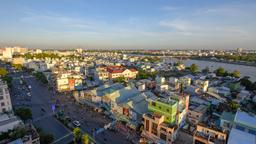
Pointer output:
x,y
240,137
245,119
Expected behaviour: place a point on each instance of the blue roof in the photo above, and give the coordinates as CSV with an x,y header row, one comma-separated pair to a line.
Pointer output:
x,y
245,119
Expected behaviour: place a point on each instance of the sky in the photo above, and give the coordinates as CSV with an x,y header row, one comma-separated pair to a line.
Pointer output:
x,y
128,24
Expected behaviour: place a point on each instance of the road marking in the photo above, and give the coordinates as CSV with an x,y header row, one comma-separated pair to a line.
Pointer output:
x,y
63,137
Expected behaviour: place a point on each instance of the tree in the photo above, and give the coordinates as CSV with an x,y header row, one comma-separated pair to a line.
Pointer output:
x,y
233,105
248,84
85,139
3,72
46,138
206,70
119,79
194,68
220,71
77,134
24,113
236,74
17,66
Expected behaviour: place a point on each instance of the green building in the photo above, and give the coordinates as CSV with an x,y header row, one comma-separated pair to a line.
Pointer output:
x,y
168,108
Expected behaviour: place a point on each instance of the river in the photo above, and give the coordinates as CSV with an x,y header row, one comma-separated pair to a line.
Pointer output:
x,y
245,70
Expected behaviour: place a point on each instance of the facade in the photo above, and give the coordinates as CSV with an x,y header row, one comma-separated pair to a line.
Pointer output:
x,y
168,108
156,130
196,113
112,72
5,99
208,135
245,122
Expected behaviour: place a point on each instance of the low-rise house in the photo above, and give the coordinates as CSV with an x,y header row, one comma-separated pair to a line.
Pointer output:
x,y
240,137
196,113
9,122
209,135
112,72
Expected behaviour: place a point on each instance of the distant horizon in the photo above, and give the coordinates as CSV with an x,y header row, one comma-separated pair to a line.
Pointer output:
x,y
133,24
131,49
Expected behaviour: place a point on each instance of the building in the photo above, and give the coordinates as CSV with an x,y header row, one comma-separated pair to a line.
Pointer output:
x,y
156,130
239,137
166,107
112,72
5,99
209,135
9,122
31,136
196,113
245,122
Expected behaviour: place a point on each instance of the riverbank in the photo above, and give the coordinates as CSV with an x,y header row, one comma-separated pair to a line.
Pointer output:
x,y
225,61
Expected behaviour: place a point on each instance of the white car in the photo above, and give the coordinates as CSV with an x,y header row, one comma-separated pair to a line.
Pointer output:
x,y
76,123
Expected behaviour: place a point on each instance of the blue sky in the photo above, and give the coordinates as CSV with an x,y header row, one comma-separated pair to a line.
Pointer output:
x,y
117,24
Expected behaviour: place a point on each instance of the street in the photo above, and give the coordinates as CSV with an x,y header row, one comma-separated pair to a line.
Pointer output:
x,y
41,108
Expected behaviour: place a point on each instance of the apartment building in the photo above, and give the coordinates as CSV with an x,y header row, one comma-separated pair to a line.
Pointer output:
x,y
5,99
166,107
156,130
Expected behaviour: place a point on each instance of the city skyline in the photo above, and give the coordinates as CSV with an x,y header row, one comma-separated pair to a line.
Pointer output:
x,y
132,24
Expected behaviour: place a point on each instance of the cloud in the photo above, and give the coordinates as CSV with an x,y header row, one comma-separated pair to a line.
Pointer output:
x,y
55,20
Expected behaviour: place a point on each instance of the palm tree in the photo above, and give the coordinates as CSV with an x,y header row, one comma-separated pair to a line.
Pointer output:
x,y
77,134
85,139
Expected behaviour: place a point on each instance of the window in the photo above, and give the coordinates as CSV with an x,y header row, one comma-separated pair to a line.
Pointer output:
x,y
154,128
163,129
1,97
147,125
2,104
3,110
163,136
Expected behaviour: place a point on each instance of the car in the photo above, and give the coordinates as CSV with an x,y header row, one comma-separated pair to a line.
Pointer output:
x,y
76,123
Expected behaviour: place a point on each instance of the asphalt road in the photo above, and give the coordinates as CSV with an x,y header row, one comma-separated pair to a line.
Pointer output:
x,y
41,99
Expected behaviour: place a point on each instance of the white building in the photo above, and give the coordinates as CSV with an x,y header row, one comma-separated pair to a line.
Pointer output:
x,y
9,122
5,99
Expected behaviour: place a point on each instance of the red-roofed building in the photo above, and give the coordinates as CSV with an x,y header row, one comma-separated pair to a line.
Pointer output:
x,y
112,72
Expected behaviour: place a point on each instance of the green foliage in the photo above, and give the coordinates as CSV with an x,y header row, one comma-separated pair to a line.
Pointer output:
x,y
206,70
144,74
178,63
17,66
151,59
40,76
24,113
41,56
3,72
85,139
233,105
244,57
236,74
194,68
77,134
119,79
44,137
220,71
248,84
8,79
